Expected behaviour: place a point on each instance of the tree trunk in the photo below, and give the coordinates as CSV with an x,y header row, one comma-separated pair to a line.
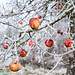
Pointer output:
x,y
71,60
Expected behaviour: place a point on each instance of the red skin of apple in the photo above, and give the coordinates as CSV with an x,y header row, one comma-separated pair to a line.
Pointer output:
x,y
34,23
15,66
68,42
39,16
59,7
21,22
49,43
61,33
30,43
55,7
33,58
58,31
23,53
5,46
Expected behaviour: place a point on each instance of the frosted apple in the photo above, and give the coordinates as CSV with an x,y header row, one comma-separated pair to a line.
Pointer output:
x,y
58,31
21,22
23,53
5,46
68,42
61,33
34,23
39,16
15,66
49,43
30,43
59,6
55,7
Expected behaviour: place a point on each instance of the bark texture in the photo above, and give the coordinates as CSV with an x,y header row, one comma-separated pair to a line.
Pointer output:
x,y
71,60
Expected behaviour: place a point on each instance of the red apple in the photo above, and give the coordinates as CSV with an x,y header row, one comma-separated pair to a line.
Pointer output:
x,y
20,22
28,11
61,33
59,6
55,7
34,23
15,66
30,43
23,53
58,31
68,42
49,43
5,46
39,16
33,58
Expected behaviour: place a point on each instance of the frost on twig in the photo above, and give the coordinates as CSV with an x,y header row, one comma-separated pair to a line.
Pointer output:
x,y
32,9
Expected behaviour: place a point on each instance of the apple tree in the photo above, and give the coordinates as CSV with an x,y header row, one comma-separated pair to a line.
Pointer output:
x,y
40,32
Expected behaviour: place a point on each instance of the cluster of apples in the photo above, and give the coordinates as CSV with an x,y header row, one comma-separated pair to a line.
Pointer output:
x,y
59,32
15,66
59,6
34,24
50,43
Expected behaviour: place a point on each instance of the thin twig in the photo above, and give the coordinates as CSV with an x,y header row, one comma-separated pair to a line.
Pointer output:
x,y
54,66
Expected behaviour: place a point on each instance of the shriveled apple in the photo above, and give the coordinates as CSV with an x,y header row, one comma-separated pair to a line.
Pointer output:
x,y
15,66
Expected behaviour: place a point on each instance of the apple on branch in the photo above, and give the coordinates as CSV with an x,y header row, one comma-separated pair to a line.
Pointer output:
x,y
15,66
23,53
68,42
49,43
34,23
5,46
